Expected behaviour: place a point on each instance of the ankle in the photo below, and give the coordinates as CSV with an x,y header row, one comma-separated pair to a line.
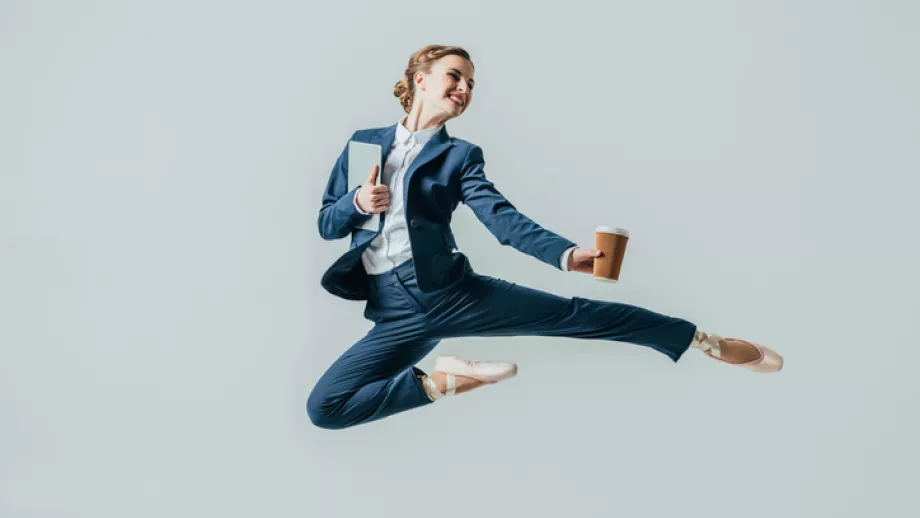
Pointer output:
x,y
439,384
699,338
431,388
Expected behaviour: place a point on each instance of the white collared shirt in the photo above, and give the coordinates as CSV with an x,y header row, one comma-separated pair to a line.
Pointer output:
x,y
392,247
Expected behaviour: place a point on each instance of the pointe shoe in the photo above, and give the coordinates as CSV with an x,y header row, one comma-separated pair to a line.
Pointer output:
x,y
486,372
769,360
451,366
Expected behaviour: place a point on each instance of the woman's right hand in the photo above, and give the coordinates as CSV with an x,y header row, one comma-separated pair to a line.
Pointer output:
x,y
373,198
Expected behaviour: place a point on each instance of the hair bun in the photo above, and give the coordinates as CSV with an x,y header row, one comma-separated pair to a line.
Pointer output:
x,y
401,90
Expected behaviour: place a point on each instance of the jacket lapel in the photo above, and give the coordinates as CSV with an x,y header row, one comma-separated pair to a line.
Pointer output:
x,y
385,140
439,143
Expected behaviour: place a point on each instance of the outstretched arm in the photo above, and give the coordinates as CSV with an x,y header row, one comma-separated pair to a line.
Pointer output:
x,y
339,213
503,220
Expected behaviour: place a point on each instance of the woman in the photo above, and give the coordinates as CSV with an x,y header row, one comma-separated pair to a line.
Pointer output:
x,y
420,289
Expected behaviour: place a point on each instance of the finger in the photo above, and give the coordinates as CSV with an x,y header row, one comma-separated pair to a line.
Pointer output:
x,y
379,189
372,179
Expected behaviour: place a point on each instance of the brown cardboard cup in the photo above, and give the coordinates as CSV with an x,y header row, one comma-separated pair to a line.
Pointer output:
x,y
612,243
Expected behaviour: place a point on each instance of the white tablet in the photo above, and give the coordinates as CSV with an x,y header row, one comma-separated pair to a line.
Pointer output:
x,y
362,157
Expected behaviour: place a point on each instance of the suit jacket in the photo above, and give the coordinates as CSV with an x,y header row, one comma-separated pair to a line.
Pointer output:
x,y
447,171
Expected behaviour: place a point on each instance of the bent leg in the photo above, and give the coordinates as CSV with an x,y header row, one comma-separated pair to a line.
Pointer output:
x,y
373,379
486,306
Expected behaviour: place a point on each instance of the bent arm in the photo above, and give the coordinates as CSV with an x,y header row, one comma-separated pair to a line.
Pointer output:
x,y
339,213
503,220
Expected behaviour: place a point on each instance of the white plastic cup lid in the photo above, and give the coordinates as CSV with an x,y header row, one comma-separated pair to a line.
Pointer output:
x,y
611,230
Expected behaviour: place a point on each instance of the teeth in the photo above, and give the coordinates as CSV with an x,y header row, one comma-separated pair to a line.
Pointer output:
x,y
456,100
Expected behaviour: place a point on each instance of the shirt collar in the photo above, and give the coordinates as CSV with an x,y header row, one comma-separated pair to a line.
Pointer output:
x,y
422,136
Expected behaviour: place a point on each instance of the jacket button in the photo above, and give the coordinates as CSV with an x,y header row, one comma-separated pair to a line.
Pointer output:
x,y
413,223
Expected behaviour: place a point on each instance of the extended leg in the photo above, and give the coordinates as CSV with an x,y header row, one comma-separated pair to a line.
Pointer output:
x,y
486,306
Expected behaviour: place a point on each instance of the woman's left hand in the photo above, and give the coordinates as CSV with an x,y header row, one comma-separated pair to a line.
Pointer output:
x,y
582,260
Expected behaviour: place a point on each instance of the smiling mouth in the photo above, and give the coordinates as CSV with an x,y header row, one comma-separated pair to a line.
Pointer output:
x,y
453,101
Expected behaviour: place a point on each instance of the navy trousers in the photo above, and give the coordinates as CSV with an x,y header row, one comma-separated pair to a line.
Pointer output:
x,y
377,377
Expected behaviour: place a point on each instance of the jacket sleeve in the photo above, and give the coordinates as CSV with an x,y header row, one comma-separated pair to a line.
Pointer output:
x,y
503,220
338,215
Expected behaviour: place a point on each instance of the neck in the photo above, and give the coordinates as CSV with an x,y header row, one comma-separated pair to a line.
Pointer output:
x,y
418,119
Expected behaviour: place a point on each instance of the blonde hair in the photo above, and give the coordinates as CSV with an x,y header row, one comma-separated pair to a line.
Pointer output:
x,y
421,61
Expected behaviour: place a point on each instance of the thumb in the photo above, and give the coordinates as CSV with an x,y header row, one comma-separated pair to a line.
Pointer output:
x,y
372,179
596,253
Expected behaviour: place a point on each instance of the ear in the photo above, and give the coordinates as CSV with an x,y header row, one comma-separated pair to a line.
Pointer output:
x,y
419,79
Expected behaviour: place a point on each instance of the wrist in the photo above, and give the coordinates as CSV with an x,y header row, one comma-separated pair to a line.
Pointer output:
x,y
566,260
357,203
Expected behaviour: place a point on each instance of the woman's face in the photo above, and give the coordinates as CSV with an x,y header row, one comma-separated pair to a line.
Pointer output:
x,y
448,88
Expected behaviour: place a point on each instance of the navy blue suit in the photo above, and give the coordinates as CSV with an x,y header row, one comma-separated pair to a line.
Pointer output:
x,y
437,295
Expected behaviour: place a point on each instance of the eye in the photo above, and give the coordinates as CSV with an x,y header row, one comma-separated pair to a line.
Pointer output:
x,y
457,78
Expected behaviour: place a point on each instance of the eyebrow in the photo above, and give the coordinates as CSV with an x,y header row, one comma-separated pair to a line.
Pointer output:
x,y
470,80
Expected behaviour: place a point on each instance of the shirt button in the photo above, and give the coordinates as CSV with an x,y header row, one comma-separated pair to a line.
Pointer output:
x,y
413,223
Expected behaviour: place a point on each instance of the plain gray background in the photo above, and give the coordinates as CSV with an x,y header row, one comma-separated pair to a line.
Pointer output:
x,y
161,167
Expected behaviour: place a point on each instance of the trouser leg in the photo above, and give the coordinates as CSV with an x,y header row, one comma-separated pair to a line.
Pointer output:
x,y
485,306
373,379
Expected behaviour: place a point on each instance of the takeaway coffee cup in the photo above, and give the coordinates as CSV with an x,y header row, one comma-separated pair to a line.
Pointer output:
x,y
612,243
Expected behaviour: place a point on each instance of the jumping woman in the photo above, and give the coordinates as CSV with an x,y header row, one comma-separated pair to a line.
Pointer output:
x,y
420,289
